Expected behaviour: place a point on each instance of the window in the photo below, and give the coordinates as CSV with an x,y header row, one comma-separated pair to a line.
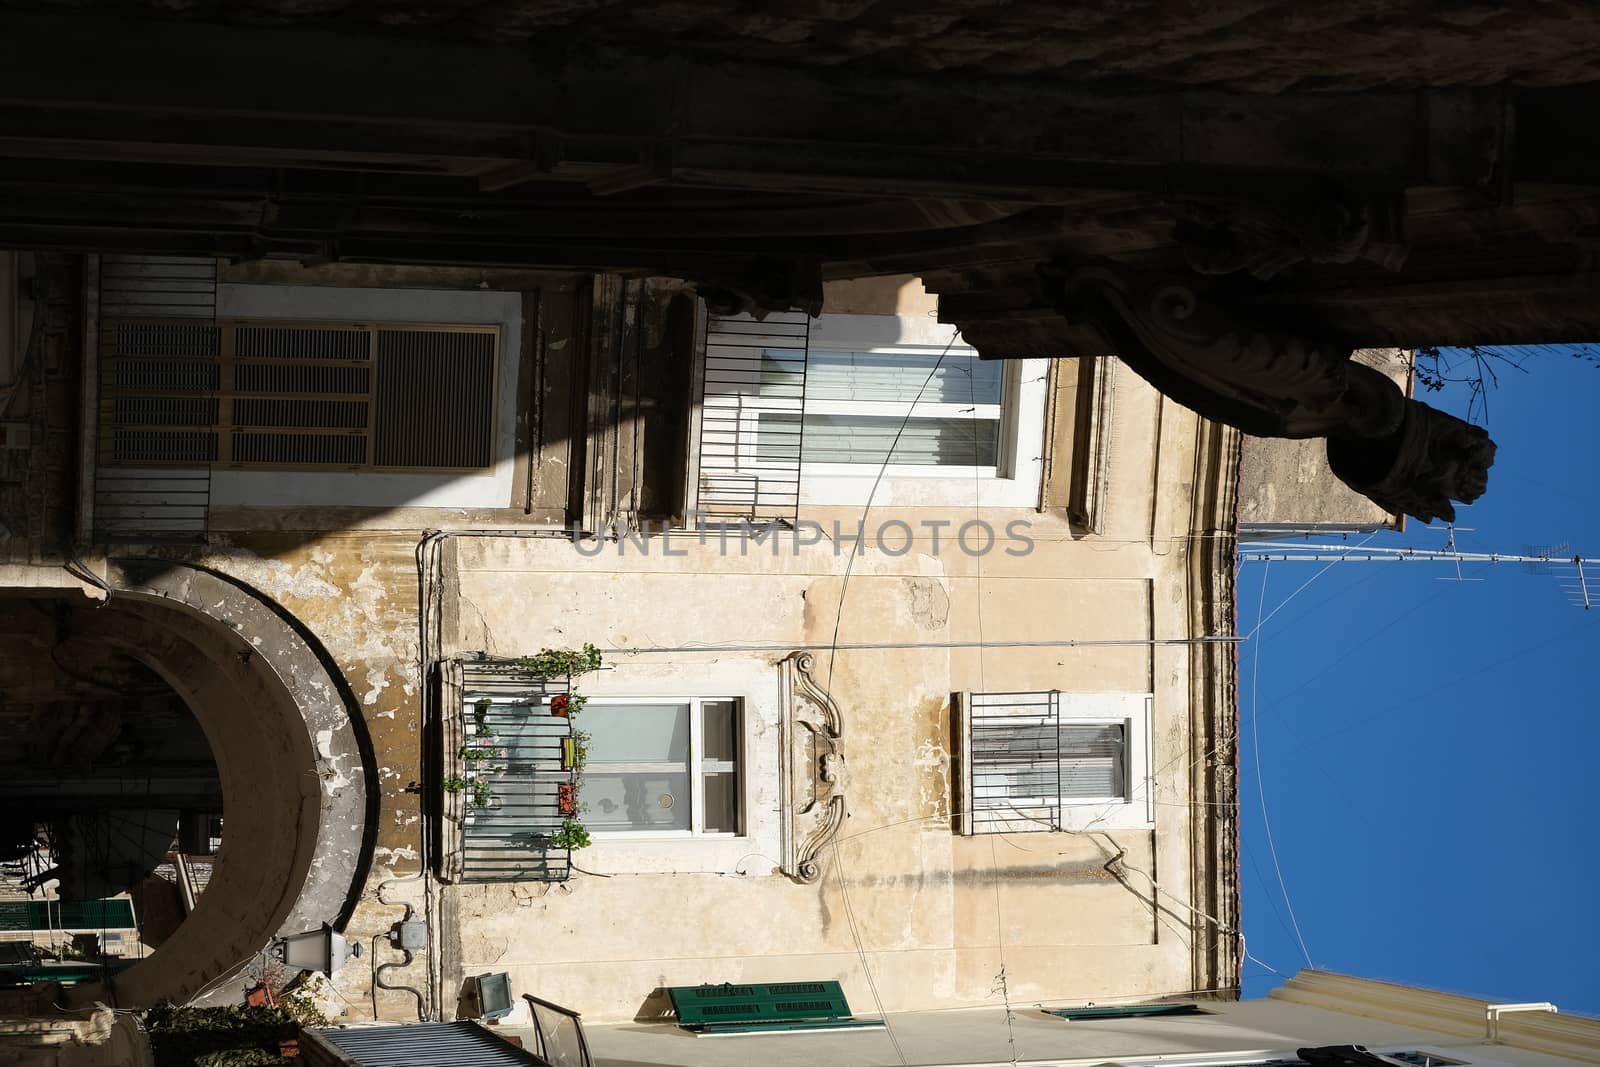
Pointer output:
x,y
796,413
1040,761
662,766
856,404
241,393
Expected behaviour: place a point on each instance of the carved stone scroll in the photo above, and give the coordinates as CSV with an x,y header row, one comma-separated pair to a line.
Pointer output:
x,y
1270,382
1324,225
812,768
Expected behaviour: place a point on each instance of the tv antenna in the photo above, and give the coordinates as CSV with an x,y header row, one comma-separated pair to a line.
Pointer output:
x,y
1573,572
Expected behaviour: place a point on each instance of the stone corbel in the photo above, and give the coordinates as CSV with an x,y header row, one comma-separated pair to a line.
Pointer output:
x,y
1326,224
811,768
1273,382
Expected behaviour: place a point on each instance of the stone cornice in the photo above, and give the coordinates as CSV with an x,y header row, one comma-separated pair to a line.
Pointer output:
x,y
1213,703
1570,1036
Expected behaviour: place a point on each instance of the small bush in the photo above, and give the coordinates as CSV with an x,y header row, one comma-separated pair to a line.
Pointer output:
x,y
218,1037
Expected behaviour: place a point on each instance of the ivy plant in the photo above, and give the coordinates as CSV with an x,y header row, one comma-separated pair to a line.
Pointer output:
x,y
552,662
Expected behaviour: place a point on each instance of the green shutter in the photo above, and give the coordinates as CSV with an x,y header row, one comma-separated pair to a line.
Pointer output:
x,y
23,916
1125,1011
727,1007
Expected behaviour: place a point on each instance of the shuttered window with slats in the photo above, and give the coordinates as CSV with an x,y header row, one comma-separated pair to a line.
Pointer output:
x,y
298,395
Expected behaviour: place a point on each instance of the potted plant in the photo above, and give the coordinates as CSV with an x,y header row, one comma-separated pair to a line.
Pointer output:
x,y
572,836
559,705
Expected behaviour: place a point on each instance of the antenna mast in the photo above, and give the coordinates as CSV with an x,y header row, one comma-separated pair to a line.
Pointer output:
x,y
1572,571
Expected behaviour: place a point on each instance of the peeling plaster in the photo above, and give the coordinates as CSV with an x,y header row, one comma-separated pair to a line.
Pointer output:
x,y
402,852
935,787
379,681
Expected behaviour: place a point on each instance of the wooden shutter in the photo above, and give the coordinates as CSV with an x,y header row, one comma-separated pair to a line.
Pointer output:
x,y
712,1005
298,395
159,390
442,379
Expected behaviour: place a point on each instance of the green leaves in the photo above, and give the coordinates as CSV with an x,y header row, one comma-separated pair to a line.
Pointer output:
x,y
571,836
551,662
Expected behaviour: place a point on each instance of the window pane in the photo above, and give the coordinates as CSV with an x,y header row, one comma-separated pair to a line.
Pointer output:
x,y
722,803
635,800
637,733
1092,760
777,437
955,441
898,376
720,730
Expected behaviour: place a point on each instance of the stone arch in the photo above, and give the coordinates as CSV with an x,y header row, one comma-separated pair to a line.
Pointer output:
x,y
291,755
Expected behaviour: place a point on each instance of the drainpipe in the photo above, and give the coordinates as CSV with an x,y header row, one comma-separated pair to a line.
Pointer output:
x,y
429,562
1492,1013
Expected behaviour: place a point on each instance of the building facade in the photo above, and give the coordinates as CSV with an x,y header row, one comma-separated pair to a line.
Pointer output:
x,y
913,668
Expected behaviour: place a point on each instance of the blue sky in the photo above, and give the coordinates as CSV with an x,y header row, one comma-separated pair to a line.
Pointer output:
x,y
1428,748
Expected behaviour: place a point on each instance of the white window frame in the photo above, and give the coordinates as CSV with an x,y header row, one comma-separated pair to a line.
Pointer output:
x,y
491,488
698,768
1135,810
1015,479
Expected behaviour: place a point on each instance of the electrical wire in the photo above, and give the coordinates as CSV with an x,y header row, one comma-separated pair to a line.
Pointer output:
x,y
861,953
866,509
1303,586
1261,790
833,650
869,646
1000,947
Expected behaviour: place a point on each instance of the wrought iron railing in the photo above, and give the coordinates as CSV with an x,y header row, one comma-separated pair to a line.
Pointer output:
x,y
752,410
509,781
1013,756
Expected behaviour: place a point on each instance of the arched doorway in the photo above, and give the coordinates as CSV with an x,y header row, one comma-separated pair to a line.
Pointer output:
x,y
183,697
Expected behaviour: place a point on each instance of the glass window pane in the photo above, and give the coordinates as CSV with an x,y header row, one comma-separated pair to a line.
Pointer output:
x,y
953,441
722,803
636,733
720,730
635,800
1092,761
898,376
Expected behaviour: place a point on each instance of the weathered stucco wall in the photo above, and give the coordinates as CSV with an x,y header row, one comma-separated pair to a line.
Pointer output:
x,y
929,912
356,593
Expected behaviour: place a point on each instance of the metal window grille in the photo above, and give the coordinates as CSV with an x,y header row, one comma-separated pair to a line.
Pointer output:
x,y
508,770
461,1044
297,395
1024,763
752,406
169,379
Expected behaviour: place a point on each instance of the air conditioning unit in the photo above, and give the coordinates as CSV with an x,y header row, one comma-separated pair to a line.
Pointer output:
x,y
15,434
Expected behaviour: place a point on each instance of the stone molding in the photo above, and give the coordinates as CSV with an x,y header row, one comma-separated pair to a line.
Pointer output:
x,y
812,768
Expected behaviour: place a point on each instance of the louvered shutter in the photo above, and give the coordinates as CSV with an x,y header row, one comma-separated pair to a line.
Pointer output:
x,y
299,395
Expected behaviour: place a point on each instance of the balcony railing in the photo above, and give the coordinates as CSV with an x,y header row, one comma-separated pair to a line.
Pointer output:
x,y
508,782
